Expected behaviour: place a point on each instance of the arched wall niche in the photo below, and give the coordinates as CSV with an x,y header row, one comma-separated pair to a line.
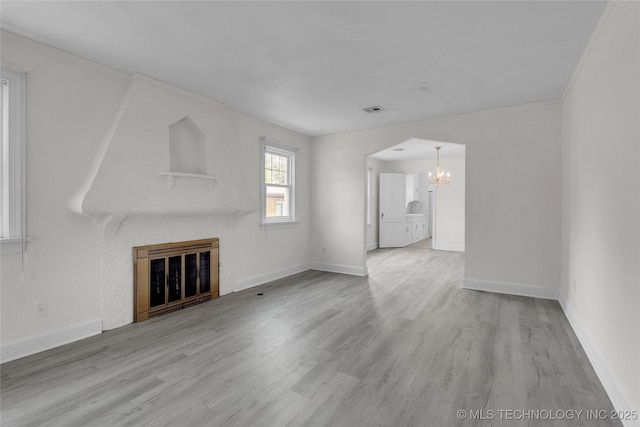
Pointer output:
x,y
187,147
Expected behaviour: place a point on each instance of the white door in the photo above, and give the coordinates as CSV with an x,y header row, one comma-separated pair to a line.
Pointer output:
x,y
392,210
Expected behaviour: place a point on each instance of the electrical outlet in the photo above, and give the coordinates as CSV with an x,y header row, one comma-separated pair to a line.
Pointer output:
x,y
324,251
41,309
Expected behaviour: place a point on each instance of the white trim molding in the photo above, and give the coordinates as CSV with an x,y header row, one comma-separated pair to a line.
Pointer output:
x,y
261,279
339,268
619,400
453,248
13,246
510,288
372,246
13,158
594,36
289,152
17,349
278,225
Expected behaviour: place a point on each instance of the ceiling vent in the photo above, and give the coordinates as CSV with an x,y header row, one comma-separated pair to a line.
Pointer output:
x,y
374,109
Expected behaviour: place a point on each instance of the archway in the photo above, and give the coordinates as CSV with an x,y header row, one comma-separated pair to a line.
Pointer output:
x,y
442,208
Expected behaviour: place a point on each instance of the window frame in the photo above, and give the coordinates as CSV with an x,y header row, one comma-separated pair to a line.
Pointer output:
x,y
12,159
280,149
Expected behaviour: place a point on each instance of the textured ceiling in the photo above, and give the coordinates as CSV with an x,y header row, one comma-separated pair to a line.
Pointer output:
x,y
312,66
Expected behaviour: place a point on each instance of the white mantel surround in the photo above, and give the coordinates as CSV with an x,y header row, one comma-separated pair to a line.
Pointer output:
x,y
125,177
119,239
126,190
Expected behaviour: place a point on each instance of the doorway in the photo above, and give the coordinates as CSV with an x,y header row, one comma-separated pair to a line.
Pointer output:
x,y
403,209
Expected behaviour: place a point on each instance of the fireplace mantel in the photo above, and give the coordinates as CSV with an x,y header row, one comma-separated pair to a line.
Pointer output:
x,y
162,128
160,134
172,176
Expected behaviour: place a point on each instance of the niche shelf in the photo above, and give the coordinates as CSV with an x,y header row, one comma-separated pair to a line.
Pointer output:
x,y
187,154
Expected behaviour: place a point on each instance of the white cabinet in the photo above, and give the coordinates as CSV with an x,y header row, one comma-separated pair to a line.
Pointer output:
x,y
402,209
415,228
421,228
408,236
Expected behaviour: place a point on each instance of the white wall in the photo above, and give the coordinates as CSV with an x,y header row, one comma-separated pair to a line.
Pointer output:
x,y
513,161
69,107
449,200
450,208
73,263
601,203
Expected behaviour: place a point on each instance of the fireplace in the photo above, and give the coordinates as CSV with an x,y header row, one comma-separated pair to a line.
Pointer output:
x,y
172,276
160,162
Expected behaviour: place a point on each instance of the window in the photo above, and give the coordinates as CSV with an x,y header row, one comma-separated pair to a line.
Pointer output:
x,y
12,160
278,182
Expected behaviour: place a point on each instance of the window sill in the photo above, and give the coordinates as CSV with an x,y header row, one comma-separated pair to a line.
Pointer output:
x,y
12,245
277,225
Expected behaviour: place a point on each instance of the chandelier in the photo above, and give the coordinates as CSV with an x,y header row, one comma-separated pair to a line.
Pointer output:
x,y
439,177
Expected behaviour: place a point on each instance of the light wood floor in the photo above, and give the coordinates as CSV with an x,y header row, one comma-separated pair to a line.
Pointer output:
x,y
405,346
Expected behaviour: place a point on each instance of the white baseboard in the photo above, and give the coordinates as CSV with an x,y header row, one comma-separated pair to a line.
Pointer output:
x,y
619,399
250,282
339,268
510,288
17,349
269,277
372,246
453,248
